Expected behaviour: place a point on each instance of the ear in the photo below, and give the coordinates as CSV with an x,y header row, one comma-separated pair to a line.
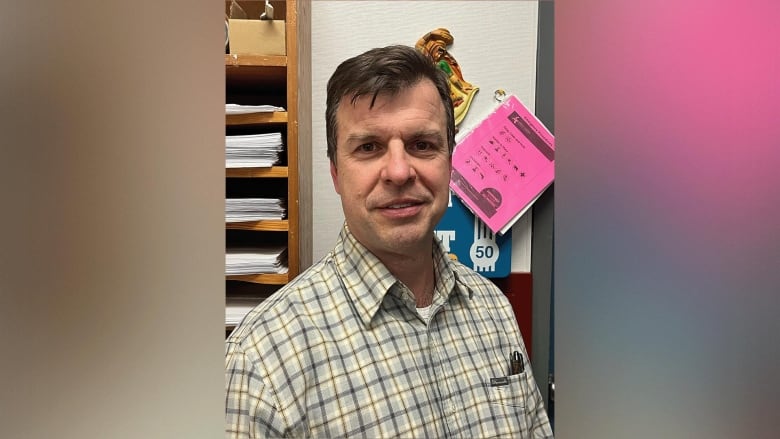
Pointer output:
x,y
334,175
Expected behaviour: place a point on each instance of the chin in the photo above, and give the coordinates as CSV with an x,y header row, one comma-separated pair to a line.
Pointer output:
x,y
406,238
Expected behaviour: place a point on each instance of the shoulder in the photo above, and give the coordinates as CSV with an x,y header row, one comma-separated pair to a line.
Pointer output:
x,y
479,287
471,279
288,308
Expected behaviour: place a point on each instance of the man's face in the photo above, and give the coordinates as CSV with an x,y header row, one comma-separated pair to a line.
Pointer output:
x,y
392,169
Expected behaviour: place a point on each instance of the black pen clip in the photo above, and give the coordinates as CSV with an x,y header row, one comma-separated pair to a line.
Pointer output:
x,y
516,365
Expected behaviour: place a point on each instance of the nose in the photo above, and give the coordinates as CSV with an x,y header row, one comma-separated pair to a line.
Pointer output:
x,y
398,168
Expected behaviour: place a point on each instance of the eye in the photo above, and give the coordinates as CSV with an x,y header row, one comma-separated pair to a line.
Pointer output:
x,y
422,146
367,147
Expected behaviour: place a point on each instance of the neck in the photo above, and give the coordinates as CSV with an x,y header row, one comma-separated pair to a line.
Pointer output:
x,y
416,273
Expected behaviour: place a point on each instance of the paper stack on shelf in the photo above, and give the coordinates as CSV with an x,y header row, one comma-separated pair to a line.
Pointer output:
x,y
238,307
253,150
254,209
248,109
255,260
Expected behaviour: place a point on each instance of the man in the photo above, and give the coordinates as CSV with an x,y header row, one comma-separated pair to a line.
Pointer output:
x,y
385,336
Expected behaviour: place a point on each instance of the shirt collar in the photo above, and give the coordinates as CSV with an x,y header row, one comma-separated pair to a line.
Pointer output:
x,y
367,281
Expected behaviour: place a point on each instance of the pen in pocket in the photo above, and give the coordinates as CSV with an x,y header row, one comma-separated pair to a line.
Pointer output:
x,y
516,365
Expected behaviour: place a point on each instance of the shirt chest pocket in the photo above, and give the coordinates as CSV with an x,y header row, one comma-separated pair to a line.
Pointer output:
x,y
508,404
510,391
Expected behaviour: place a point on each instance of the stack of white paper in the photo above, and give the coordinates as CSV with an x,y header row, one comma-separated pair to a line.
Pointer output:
x,y
253,150
238,307
255,260
247,109
254,209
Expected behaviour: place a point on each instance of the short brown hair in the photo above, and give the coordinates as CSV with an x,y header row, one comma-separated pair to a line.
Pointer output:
x,y
383,70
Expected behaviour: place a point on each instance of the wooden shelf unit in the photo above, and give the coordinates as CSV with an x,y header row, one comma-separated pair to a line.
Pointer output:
x,y
282,81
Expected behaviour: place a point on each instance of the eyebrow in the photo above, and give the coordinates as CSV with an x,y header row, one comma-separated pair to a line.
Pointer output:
x,y
426,134
360,137
422,134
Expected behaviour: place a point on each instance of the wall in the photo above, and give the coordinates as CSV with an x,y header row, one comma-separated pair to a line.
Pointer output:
x,y
492,51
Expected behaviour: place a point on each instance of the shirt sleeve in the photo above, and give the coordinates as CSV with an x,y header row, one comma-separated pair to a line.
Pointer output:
x,y
250,409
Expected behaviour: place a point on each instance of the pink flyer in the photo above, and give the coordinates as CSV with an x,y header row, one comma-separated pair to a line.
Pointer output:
x,y
502,166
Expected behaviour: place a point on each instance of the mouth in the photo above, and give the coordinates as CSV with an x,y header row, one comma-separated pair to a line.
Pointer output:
x,y
399,209
400,205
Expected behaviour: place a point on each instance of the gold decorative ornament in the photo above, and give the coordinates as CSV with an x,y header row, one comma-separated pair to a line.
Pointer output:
x,y
434,44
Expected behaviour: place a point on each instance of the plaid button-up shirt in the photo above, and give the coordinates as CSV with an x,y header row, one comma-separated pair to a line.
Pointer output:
x,y
341,351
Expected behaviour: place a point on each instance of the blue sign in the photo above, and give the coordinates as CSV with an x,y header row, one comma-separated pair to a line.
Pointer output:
x,y
469,240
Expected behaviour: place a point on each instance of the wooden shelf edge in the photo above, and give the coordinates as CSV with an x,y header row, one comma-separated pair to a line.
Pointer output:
x,y
274,171
256,118
252,60
269,279
264,225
